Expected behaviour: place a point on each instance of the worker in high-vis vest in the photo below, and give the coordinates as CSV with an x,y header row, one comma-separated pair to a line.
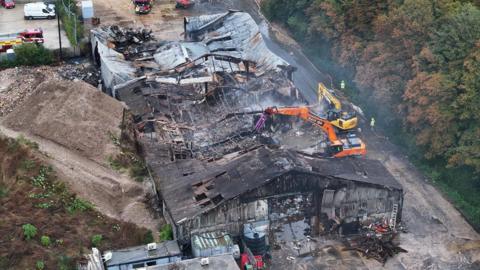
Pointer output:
x,y
342,85
372,123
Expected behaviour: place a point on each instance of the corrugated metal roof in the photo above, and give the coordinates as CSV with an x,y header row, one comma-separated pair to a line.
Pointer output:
x,y
211,240
218,43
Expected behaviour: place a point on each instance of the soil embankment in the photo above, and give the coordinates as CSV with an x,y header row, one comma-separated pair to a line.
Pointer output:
x,y
74,125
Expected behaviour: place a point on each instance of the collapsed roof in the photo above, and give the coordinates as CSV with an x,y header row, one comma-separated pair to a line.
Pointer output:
x,y
195,103
190,187
226,43
232,34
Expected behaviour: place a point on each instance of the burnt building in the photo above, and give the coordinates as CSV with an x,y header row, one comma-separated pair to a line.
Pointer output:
x,y
195,104
248,187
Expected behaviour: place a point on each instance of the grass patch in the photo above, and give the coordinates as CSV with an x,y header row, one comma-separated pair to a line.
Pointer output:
x,y
128,161
79,205
96,240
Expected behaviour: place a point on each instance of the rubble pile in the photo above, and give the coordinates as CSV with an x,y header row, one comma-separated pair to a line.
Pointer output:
x,y
130,41
129,35
81,72
378,248
17,84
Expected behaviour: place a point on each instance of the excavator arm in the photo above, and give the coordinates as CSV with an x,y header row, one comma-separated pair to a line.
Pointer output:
x,y
349,146
331,99
307,115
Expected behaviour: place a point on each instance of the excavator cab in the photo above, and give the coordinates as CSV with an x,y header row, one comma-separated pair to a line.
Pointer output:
x,y
344,121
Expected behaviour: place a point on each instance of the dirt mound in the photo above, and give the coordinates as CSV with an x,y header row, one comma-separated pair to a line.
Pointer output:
x,y
73,114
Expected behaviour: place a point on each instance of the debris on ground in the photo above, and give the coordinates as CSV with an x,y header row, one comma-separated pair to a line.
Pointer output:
x,y
122,35
81,72
130,41
373,247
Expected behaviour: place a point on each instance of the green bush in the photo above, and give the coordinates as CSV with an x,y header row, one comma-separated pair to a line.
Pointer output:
x,y
24,141
166,232
45,240
29,231
138,171
65,263
40,265
3,191
96,240
30,54
148,237
40,180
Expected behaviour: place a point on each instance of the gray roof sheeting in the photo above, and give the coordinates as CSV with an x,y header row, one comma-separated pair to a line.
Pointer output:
x,y
231,34
222,262
243,34
140,253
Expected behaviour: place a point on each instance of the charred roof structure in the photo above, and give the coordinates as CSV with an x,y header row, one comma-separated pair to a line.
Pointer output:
x,y
194,102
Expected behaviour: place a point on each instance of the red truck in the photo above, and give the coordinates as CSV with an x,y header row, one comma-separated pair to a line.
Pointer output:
x,y
246,263
142,6
8,41
7,3
184,3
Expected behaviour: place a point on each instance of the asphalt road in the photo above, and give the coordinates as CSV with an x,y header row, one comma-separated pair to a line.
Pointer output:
x,y
12,21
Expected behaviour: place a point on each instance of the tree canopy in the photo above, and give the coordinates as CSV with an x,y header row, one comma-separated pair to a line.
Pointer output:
x,y
418,58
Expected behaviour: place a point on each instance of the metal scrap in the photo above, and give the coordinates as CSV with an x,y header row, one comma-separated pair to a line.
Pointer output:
x,y
122,36
378,248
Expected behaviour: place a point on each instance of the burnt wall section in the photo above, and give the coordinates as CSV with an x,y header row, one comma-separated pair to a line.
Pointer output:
x,y
352,205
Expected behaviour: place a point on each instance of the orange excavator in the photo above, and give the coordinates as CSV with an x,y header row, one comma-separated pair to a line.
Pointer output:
x,y
349,145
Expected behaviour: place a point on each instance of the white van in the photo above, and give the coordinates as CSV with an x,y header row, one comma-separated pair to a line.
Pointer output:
x,y
39,10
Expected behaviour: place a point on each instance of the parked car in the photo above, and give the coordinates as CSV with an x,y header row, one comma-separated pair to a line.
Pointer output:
x,y
39,10
7,3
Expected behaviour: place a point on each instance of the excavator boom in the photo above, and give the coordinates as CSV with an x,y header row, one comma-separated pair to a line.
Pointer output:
x,y
350,146
331,99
